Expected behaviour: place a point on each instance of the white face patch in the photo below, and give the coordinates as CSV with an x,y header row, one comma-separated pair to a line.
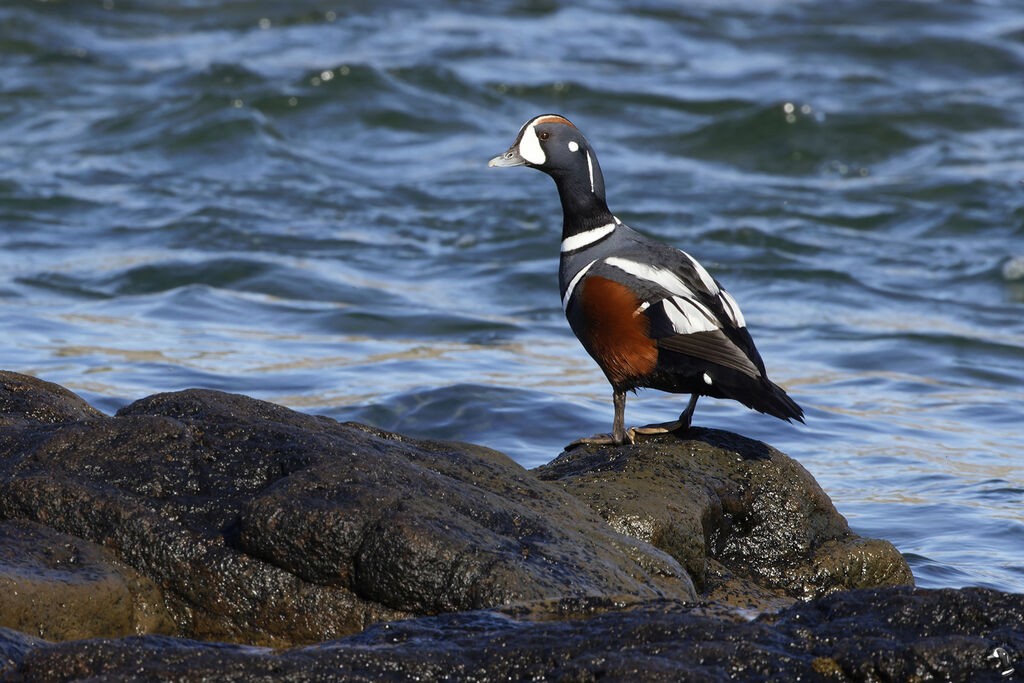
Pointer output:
x,y
574,146
529,147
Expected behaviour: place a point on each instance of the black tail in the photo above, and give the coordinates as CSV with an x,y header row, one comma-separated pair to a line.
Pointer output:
x,y
773,400
685,374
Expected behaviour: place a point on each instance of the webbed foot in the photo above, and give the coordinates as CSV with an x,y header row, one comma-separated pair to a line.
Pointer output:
x,y
661,428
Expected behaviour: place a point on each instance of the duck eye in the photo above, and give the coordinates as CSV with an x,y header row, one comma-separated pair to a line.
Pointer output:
x,y
544,135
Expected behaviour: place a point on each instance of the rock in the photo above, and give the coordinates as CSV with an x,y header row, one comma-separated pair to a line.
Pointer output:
x,y
61,588
750,525
266,526
14,645
25,398
898,633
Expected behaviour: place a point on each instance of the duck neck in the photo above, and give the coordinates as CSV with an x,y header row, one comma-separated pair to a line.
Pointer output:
x,y
583,204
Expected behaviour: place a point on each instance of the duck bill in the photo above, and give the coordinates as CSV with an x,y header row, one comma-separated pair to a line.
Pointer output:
x,y
510,158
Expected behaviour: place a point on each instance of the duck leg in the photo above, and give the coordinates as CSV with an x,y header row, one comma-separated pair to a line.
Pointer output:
x,y
619,433
619,421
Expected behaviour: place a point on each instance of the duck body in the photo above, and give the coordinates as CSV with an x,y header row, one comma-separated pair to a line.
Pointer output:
x,y
649,314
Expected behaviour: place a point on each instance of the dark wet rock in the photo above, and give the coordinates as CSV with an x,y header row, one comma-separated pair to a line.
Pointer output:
x,y
446,527
750,524
24,398
898,634
14,645
266,526
61,587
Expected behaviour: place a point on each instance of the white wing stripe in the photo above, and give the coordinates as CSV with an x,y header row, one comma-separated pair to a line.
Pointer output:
x,y
688,317
704,275
732,308
572,284
659,276
583,239
698,307
685,299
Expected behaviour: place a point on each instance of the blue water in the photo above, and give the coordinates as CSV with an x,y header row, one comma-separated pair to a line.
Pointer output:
x,y
291,201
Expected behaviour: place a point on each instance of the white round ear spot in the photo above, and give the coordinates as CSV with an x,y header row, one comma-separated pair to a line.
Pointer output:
x,y
530,149
574,146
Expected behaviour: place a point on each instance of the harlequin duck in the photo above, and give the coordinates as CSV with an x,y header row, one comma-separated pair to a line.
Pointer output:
x,y
649,314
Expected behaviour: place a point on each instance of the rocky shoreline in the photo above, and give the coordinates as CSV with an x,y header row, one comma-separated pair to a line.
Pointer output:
x,y
199,535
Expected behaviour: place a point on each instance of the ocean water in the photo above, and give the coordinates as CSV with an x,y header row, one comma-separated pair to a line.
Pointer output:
x,y
291,201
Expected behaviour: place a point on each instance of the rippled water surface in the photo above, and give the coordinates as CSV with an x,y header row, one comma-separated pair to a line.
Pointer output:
x,y
291,200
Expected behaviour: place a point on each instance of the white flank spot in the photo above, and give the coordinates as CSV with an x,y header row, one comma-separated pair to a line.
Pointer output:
x,y
732,308
529,147
590,170
572,284
704,275
574,146
707,379
641,308
688,317
583,239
